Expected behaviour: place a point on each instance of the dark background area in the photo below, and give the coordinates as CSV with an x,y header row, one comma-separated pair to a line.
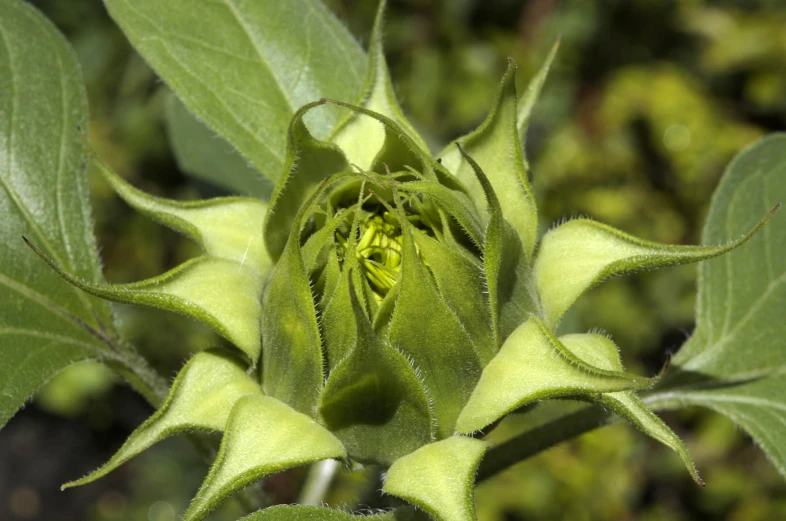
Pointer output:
x,y
646,104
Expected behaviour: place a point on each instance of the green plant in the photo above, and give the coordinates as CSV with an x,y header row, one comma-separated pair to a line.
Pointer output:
x,y
385,305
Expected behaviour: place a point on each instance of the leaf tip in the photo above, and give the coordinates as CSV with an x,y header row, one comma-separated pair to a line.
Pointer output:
x,y
34,248
72,484
555,47
755,229
665,368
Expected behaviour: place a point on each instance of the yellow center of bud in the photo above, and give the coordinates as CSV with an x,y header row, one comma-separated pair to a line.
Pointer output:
x,y
378,251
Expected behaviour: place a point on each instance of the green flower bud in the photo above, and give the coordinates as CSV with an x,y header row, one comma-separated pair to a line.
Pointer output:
x,y
386,306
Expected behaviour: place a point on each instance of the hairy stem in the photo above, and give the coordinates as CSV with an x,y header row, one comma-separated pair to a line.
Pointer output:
x,y
557,430
141,376
539,439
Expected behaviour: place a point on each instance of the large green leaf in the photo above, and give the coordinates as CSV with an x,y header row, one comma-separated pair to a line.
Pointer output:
x,y
735,362
204,155
245,66
45,324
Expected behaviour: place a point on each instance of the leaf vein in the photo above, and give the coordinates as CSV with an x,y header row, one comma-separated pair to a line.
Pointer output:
x,y
42,334
51,306
196,78
745,400
706,355
262,58
60,160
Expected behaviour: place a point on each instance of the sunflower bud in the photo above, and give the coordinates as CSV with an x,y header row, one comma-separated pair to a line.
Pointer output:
x,y
386,305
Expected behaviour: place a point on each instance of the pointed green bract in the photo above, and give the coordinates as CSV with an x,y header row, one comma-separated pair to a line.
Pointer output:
x,y
494,265
338,322
508,276
439,478
456,204
532,365
218,292
460,284
362,138
330,278
317,249
735,362
228,227
221,289
425,330
496,147
309,161
527,100
601,352
373,400
399,151
292,361
201,397
582,253
384,312
263,436
244,68
45,323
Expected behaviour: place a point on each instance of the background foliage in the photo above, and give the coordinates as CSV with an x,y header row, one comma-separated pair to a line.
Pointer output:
x,y
645,105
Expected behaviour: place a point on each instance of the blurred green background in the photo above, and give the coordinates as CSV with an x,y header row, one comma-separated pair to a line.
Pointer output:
x,y
646,103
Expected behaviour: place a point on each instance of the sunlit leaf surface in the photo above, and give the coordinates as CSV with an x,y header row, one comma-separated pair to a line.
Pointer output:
x,y
244,67
45,324
735,362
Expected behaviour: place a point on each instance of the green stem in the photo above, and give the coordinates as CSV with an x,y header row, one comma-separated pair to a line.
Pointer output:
x,y
141,376
560,429
320,475
539,439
